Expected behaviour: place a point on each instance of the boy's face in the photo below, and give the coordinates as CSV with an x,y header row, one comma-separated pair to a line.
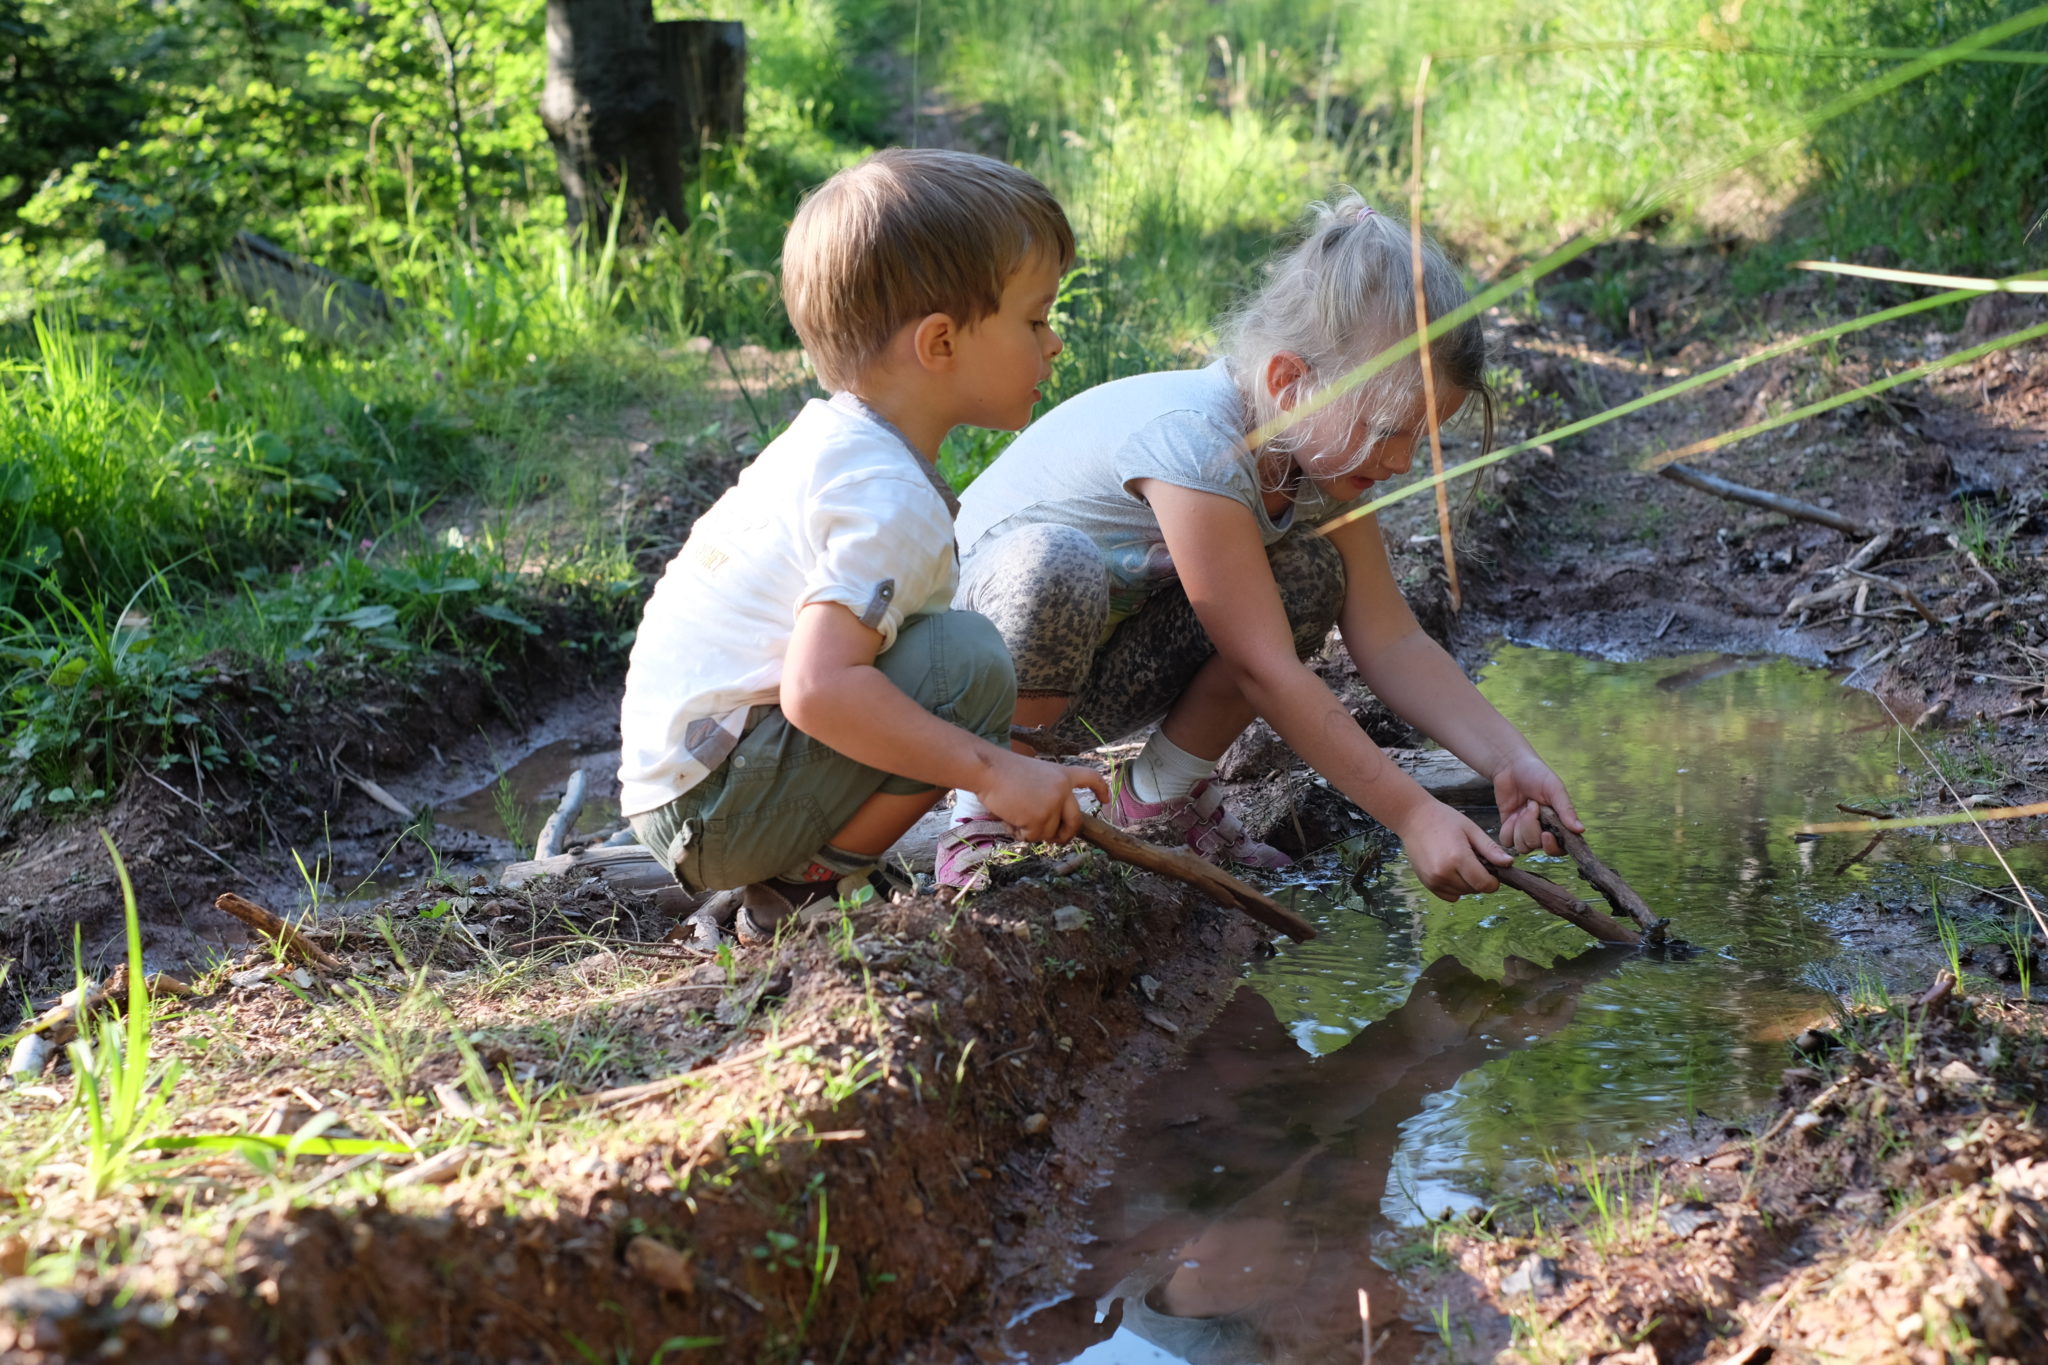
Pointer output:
x,y
1004,358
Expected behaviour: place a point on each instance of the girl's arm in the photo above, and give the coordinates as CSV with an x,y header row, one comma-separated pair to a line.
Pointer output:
x,y
1222,564
1412,674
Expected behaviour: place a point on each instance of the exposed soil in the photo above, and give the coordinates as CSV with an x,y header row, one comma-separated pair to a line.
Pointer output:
x,y
1894,1210
876,1108
1000,1044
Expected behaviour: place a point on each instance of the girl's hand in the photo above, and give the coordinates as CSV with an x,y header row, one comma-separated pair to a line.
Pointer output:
x,y
1521,790
1036,798
1452,856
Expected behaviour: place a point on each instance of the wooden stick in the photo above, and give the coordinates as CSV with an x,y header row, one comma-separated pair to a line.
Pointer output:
x,y
1219,885
277,931
1568,907
1757,497
555,833
1901,590
1606,880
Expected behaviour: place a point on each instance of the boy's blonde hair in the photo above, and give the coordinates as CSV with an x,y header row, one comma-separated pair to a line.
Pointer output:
x,y
906,233
1336,300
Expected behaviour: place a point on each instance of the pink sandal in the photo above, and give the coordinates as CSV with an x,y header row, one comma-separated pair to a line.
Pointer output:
x,y
1210,830
964,851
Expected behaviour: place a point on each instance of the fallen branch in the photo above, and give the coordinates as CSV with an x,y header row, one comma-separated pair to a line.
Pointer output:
x,y
277,931
1617,892
555,832
379,795
1900,589
36,1044
1757,497
1568,907
1219,885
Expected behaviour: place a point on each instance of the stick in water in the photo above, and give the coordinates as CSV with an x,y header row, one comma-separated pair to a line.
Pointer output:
x,y
1568,907
1605,879
1219,885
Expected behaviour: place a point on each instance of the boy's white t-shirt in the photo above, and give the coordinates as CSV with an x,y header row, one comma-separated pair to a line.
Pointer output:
x,y
838,508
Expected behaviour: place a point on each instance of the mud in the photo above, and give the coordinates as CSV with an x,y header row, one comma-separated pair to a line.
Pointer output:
x,y
990,1044
1895,1209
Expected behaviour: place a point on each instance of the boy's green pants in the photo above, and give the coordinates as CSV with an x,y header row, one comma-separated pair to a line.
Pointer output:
x,y
780,795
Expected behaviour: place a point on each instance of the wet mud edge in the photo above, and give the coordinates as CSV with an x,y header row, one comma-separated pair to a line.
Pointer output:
x,y
945,1193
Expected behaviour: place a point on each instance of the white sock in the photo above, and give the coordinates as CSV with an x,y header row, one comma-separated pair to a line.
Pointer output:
x,y
967,806
1163,771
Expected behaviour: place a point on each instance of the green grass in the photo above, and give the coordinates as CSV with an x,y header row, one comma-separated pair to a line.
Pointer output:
x,y
186,474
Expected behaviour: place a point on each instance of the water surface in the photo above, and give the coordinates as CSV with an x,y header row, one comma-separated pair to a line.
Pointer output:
x,y
1422,1057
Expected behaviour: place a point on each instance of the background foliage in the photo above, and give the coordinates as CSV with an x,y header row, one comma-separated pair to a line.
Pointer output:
x,y
170,453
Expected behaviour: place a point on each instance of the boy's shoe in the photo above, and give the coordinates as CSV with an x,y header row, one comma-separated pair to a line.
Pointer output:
x,y
1210,830
964,851
765,906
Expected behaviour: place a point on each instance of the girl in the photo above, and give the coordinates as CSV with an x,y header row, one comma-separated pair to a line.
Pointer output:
x,y
1148,549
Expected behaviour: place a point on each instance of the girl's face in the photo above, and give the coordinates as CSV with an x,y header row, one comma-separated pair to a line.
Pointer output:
x,y
1344,456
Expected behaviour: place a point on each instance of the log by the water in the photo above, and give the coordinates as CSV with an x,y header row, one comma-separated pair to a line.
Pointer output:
x,y
1568,907
277,931
1605,879
1219,885
627,867
562,823
1757,497
320,301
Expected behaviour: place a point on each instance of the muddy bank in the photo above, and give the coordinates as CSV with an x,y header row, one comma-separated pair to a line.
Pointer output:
x,y
1893,1209
877,1113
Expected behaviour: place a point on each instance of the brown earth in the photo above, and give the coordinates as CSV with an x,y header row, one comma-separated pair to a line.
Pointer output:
x,y
1894,1210
533,1249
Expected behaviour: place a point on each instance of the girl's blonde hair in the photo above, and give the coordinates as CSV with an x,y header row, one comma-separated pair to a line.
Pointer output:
x,y
1342,295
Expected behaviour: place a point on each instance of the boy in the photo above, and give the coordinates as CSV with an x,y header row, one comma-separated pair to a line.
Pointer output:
x,y
800,691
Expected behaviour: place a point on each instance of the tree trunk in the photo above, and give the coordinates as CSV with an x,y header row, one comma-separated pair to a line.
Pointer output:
x,y
705,62
611,117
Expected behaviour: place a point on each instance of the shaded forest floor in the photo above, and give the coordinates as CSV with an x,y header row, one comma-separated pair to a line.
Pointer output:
x,y
890,1120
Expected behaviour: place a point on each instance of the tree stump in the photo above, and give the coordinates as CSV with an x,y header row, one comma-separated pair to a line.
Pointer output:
x,y
611,117
704,62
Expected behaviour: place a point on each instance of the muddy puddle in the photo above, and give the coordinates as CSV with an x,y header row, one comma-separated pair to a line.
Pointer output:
x,y
1422,1058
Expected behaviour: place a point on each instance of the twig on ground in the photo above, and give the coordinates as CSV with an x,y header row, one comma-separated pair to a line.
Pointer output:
x,y
1757,497
1900,589
277,931
379,795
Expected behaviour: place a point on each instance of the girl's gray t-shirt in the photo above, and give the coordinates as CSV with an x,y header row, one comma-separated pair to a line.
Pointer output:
x,y
1075,467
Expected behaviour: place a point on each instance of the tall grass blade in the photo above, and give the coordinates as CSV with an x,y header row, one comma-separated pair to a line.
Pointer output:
x,y
1650,203
1947,362
1436,440
1651,399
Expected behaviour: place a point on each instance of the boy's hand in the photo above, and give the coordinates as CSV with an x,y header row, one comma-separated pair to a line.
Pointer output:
x,y
1521,790
1452,856
1036,798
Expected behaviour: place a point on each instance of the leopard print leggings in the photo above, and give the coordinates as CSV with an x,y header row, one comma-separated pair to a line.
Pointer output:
x,y
1046,587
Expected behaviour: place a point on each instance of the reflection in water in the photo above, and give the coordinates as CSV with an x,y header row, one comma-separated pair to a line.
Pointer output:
x,y
1246,1231
1238,1223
